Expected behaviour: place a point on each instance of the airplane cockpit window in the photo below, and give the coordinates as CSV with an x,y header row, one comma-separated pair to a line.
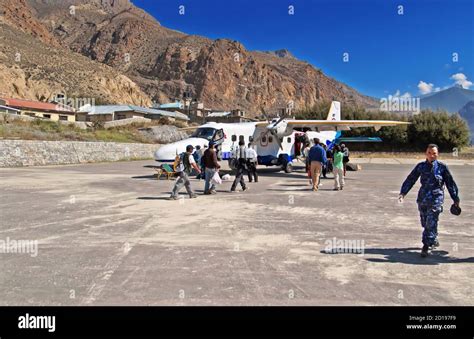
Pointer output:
x,y
219,135
204,132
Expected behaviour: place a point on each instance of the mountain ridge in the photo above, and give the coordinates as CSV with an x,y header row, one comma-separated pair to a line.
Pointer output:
x,y
164,63
451,99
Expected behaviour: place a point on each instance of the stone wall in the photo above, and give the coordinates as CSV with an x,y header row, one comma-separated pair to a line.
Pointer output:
x,y
17,153
124,122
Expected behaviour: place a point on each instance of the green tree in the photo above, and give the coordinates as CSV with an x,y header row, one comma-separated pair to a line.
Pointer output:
x,y
447,131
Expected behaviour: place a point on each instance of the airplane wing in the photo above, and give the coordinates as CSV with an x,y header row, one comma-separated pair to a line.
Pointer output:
x,y
343,125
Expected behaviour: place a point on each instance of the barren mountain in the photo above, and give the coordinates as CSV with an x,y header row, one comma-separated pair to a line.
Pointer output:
x,y
34,66
165,63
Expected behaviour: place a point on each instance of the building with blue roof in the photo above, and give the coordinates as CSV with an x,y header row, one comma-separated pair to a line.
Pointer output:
x,y
118,112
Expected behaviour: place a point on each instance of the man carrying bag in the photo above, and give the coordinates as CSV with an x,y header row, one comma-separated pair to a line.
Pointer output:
x,y
211,166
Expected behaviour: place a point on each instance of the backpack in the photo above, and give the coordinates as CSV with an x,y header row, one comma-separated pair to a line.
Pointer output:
x,y
182,164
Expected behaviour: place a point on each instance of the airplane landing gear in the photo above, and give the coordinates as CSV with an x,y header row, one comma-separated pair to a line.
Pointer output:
x,y
288,168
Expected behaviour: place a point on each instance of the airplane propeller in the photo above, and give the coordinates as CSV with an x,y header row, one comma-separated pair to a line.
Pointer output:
x,y
271,128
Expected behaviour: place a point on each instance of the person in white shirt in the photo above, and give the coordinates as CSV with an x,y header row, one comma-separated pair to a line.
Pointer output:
x,y
252,163
241,164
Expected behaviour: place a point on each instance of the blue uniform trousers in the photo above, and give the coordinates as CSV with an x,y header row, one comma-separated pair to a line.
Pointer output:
x,y
429,216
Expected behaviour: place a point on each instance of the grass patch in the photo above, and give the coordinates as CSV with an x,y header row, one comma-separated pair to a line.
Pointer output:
x,y
56,131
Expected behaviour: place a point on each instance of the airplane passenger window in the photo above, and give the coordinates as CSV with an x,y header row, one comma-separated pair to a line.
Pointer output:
x,y
289,140
241,138
234,138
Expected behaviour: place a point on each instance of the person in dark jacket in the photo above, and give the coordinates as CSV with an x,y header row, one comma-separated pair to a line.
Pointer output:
x,y
197,158
325,166
317,157
434,175
211,166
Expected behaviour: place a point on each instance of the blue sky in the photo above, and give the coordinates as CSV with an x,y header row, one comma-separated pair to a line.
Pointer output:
x,y
388,52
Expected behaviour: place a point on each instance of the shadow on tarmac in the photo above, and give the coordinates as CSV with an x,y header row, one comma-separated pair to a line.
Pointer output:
x,y
409,255
152,198
150,177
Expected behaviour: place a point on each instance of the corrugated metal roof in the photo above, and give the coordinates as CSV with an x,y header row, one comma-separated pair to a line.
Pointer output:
x,y
172,105
218,114
37,105
105,109
110,109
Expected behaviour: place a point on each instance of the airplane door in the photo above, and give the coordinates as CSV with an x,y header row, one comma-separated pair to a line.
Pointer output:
x,y
218,137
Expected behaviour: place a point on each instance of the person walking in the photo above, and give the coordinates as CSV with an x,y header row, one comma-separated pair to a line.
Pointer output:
x,y
325,166
433,176
201,163
305,153
185,165
211,166
252,163
317,157
197,158
241,163
338,168
345,160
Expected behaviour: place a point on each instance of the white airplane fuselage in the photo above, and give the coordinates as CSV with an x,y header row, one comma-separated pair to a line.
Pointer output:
x,y
266,147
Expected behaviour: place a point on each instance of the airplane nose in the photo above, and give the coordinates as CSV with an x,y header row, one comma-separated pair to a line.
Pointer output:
x,y
165,153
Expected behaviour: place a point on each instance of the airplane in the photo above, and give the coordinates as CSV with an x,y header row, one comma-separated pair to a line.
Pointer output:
x,y
277,142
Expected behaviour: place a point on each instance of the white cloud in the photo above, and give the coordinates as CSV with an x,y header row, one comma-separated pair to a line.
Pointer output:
x,y
425,88
461,79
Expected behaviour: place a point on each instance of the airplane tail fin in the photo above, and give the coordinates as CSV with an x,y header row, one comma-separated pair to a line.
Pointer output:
x,y
335,111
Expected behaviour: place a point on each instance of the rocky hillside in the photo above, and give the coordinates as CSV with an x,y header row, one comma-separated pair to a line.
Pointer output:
x,y
164,63
33,65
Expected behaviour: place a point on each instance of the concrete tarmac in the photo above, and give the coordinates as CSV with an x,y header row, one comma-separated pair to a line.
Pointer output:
x,y
107,236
